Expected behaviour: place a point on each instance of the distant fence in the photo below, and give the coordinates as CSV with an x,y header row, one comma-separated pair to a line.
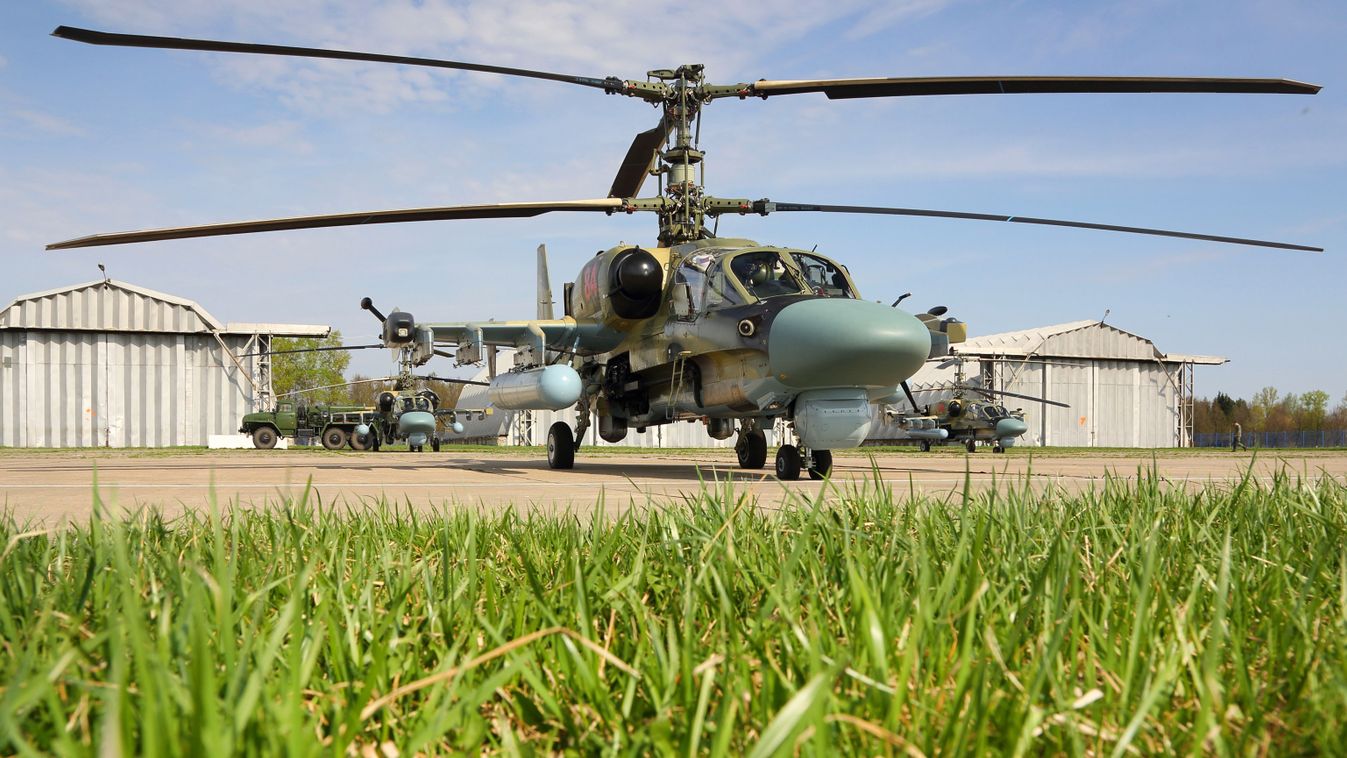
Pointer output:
x,y
1326,438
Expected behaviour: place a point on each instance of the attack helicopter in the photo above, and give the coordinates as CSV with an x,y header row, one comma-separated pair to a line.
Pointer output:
x,y
960,418
401,413
727,330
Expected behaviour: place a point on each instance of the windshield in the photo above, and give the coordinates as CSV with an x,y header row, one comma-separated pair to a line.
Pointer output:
x,y
764,274
823,276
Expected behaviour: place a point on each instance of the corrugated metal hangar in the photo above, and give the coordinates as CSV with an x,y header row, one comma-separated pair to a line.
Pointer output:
x,y
1122,390
110,364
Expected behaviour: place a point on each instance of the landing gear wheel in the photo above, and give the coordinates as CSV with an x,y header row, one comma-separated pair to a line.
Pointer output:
x,y
998,449
925,446
560,446
820,463
435,444
264,438
971,446
752,449
334,438
788,463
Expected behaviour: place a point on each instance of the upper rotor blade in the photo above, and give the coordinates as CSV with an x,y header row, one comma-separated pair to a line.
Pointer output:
x,y
764,207
636,165
93,37
446,213
838,89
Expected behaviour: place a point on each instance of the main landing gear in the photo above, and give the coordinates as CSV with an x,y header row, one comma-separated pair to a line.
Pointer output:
x,y
561,446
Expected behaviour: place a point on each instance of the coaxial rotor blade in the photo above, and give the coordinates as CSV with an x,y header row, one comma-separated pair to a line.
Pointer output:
x,y
765,207
92,37
432,378
446,213
989,393
311,350
636,165
907,390
838,89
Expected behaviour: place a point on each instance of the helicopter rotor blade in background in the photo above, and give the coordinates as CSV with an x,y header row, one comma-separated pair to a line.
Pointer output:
x,y
842,89
1042,400
908,391
644,151
765,207
448,380
445,213
311,350
609,84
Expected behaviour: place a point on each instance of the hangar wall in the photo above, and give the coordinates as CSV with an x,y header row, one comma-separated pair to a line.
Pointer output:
x,y
110,364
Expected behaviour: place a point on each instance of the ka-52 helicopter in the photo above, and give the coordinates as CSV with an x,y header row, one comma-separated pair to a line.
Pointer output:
x,y
960,418
405,412
725,330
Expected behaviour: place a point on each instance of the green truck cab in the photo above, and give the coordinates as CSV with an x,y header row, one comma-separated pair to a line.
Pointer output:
x,y
333,424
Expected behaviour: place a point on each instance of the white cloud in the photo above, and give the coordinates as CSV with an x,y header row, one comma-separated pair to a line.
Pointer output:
x,y
47,123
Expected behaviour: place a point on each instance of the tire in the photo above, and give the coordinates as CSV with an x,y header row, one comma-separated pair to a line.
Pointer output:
x,y
998,449
361,441
788,463
820,464
334,438
264,438
925,446
971,446
752,449
560,446
435,444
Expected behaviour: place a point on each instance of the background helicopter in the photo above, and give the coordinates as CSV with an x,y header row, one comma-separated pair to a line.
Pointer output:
x,y
407,411
966,419
698,326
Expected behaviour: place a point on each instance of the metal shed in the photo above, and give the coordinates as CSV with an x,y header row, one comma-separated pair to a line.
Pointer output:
x,y
1123,391
111,364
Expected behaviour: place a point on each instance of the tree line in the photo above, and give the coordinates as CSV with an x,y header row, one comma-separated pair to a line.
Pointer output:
x,y
1269,411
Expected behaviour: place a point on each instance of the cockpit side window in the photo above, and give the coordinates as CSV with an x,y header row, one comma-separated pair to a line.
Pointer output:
x,y
823,276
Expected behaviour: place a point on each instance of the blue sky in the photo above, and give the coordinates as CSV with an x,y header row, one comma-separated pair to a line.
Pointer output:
x,y
96,139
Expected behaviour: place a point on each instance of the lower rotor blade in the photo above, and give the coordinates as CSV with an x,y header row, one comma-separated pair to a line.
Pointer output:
x,y
1042,400
448,380
908,391
766,206
636,165
310,350
445,213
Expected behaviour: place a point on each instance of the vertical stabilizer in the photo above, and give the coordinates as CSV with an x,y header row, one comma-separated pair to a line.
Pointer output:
x,y
544,286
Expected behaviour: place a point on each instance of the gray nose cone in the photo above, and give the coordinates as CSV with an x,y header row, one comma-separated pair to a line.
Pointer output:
x,y
831,342
1010,427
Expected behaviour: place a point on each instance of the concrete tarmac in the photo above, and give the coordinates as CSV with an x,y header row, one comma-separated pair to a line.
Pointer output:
x,y
47,488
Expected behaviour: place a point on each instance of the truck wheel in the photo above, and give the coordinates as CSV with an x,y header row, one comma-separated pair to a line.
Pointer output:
x,y
264,438
361,441
334,438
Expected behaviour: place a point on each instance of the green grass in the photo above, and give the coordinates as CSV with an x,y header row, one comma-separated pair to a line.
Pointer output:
x,y
1131,619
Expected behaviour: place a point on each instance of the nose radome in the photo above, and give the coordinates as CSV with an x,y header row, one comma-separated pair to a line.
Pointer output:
x,y
831,342
1010,427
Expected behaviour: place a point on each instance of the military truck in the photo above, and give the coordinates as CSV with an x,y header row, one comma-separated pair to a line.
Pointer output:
x,y
335,425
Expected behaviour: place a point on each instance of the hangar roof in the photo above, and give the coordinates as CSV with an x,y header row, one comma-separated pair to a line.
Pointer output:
x,y
1076,339
114,306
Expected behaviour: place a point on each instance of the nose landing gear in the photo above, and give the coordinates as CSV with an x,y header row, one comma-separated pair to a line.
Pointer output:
x,y
790,460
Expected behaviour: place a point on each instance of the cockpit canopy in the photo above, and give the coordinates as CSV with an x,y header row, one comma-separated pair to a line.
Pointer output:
x,y
720,278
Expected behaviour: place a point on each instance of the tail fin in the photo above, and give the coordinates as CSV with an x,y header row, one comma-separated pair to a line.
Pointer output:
x,y
544,287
